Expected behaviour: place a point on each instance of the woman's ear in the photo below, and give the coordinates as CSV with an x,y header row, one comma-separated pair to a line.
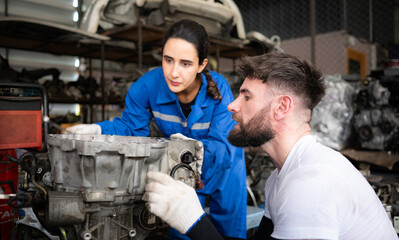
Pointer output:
x,y
203,65
284,106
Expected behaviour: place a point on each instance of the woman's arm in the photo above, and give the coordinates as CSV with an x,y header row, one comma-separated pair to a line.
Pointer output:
x,y
136,115
219,154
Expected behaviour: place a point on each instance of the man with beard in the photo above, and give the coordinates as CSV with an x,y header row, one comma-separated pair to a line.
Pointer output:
x,y
314,192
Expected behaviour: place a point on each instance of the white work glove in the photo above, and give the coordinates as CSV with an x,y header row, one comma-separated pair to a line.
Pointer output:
x,y
173,201
199,147
84,129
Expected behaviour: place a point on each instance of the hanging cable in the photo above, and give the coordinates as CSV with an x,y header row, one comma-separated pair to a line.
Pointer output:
x,y
198,182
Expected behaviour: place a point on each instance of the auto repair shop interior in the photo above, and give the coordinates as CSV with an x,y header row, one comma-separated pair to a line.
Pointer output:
x,y
71,62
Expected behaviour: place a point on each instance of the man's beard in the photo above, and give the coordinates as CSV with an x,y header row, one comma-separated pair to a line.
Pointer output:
x,y
254,133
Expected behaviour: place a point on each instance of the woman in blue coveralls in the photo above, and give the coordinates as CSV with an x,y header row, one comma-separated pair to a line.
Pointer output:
x,y
184,97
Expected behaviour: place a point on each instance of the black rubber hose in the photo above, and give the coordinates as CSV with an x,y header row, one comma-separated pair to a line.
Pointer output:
x,y
180,165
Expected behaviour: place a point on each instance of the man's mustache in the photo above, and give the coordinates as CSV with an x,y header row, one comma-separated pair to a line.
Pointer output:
x,y
235,118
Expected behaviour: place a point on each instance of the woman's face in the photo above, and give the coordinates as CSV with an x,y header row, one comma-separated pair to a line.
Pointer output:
x,y
180,64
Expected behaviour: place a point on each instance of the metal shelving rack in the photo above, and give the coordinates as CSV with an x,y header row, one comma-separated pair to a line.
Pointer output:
x,y
126,44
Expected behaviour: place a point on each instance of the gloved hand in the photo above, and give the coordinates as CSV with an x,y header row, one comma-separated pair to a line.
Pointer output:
x,y
199,147
84,129
173,201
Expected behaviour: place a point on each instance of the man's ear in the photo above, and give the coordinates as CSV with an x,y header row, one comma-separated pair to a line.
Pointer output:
x,y
284,106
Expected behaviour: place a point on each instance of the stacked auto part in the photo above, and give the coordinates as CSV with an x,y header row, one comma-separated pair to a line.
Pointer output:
x,y
387,191
375,123
331,119
222,19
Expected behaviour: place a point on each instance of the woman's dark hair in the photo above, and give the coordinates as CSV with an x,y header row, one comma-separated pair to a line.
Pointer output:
x,y
195,34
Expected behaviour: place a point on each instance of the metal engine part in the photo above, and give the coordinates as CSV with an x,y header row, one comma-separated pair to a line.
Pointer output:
x,y
387,190
372,94
259,167
376,124
376,128
331,118
98,182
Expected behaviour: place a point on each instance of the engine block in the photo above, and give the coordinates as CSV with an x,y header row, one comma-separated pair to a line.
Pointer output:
x,y
97,182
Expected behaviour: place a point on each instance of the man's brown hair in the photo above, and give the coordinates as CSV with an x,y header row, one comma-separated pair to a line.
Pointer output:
x,y
286,72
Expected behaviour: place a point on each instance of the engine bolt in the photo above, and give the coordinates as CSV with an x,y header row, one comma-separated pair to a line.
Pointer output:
x,y
132,233
87,236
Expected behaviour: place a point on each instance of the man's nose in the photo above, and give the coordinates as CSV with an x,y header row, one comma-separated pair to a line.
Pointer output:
x,y
233,106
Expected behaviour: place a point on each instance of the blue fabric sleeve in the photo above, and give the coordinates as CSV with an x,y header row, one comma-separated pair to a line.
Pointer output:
x,y
218,152
136,116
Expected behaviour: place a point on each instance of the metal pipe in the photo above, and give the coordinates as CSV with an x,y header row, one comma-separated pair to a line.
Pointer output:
x,y
38,185
345,15
373,57
217,57
80,12
6,8
91,87
102,82
313,31
371,30
140,43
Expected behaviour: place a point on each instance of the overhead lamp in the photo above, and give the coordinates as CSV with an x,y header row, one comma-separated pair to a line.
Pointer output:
x,y
77,62
75,16
75,3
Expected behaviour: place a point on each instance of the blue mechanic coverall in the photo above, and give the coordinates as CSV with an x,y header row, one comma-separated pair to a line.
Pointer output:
x,y
223,171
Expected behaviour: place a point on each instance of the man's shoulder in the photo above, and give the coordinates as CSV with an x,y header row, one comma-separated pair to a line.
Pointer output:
x,y
312,150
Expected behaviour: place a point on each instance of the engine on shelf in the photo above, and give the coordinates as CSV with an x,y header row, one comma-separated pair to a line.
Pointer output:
x,y
376,121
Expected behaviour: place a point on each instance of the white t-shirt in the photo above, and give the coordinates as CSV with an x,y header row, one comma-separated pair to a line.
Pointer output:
x,y
319,194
